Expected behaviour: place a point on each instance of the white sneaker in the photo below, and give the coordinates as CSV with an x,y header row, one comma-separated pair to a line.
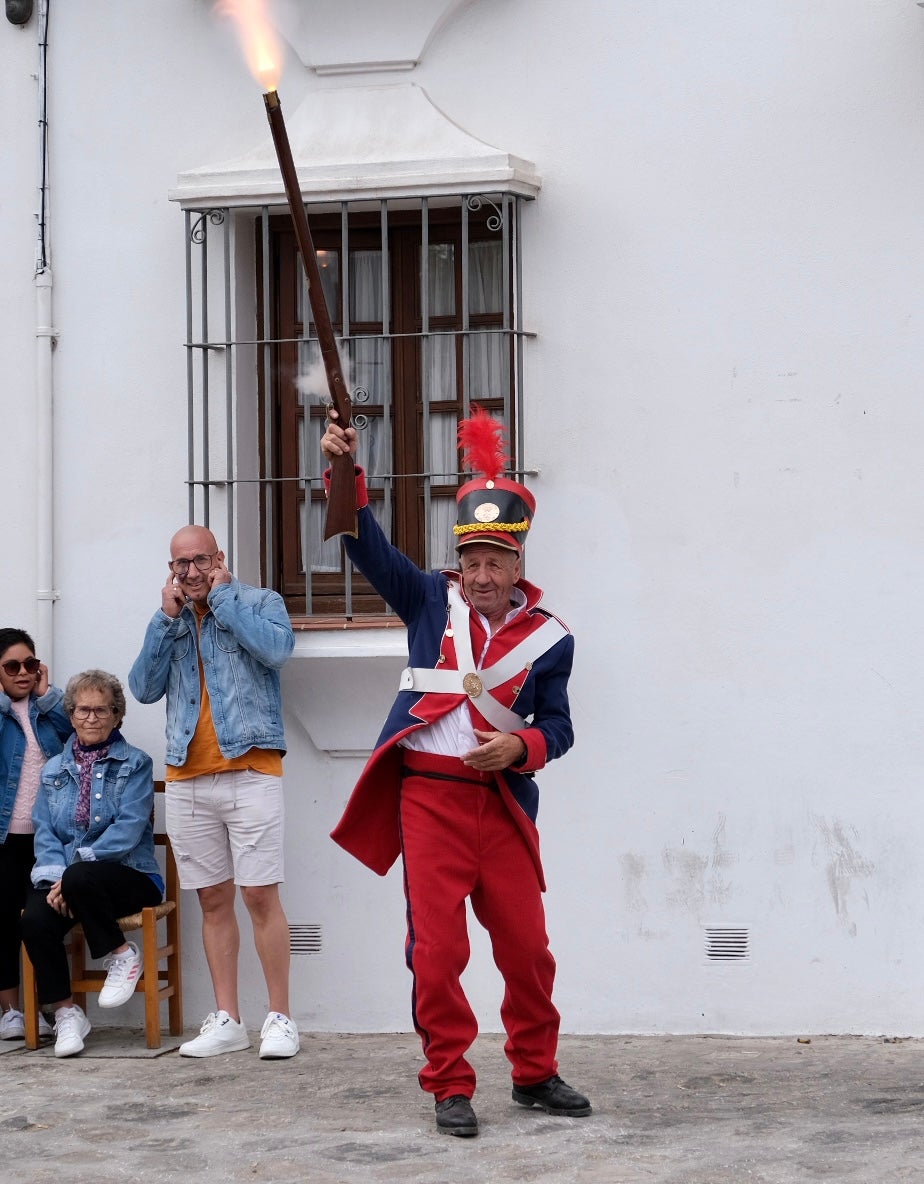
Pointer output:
x,y
71,1025
279,1037
123,971
219,1033
13,1025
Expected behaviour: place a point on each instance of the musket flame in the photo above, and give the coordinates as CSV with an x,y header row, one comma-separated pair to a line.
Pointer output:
x,y
258,39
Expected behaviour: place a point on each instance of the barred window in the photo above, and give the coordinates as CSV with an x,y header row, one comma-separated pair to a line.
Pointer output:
x,y
424,300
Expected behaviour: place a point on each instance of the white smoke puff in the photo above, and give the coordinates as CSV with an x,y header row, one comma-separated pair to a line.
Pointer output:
x,y
313,383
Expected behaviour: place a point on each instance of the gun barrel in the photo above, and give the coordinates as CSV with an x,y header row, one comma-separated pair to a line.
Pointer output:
x,y
341,511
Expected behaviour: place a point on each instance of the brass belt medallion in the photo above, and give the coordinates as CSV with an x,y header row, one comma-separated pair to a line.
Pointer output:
x,y
472,685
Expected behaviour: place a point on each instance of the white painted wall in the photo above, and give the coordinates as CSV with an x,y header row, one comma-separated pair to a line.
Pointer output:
x,y
724,269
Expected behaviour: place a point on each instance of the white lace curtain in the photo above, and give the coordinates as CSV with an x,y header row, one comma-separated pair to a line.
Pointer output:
x,y
485,373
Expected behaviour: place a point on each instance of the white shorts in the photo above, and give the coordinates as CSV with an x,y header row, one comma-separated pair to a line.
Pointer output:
x,y
227,826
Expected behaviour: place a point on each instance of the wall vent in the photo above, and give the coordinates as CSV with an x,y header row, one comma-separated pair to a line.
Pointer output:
x,y
305,939
727,945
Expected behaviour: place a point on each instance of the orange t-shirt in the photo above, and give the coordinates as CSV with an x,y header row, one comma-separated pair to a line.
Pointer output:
x,y
203,756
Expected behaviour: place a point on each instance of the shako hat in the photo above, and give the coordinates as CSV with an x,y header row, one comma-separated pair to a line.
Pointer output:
x,y
490,508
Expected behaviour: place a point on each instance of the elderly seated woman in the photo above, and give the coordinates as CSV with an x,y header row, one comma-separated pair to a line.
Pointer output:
x,y
94,854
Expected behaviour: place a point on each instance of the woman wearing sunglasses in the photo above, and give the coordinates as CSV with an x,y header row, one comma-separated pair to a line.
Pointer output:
x,y
33,727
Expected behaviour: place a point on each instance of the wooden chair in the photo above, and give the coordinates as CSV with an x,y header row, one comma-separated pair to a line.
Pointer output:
x,y
158,982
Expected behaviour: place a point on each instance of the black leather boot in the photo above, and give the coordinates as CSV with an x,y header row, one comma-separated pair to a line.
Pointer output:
x,y
455,1116
554,1097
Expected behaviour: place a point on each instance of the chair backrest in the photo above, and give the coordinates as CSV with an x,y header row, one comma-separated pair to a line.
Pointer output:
x,y
161,839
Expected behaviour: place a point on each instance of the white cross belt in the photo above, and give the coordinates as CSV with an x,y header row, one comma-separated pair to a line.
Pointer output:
x,y
478,685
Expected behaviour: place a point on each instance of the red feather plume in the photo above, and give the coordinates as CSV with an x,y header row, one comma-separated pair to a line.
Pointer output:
x,y
483,444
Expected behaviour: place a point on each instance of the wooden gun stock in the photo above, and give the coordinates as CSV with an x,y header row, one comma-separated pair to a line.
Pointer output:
x,y
341,503
341,498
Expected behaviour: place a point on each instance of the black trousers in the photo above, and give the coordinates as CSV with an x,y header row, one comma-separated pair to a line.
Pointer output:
x,y
17,855
97,894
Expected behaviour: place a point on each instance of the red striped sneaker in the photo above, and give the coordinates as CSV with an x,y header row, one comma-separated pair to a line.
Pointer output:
x,y
123,972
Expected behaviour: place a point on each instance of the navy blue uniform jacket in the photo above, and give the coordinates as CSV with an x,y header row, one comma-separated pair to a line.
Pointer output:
x,y
369,827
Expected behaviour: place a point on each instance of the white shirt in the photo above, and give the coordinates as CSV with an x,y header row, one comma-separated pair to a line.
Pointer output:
x,y
453,734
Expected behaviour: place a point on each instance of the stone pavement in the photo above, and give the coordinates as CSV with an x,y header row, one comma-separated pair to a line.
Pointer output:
x,y
668,1109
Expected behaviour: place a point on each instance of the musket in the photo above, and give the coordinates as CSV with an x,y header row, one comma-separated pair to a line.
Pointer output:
x,y
341,501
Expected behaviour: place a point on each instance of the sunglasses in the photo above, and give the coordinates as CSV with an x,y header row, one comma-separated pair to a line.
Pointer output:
x,y
12,668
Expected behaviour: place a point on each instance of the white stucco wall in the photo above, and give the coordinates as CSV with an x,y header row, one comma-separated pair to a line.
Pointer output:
x,y
724,270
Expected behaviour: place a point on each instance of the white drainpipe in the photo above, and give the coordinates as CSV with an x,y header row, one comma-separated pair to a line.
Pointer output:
x,y
44,468
45,336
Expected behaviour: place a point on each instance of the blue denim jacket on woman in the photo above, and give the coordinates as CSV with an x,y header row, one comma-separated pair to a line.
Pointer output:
x,y
245,641
119,830
51,726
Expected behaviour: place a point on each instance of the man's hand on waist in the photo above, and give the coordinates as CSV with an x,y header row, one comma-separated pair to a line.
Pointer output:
x,y
498,750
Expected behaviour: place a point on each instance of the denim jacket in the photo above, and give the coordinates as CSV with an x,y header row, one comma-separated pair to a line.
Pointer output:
x,y
121,801
245,641
51,727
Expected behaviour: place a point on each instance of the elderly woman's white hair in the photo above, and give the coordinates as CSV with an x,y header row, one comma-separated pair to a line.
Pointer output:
x,y
96,680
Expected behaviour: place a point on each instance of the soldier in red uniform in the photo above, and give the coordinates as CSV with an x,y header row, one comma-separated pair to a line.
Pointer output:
x,y
482,706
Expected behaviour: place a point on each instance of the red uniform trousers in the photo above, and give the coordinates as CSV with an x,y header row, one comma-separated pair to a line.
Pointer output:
x,y
459,840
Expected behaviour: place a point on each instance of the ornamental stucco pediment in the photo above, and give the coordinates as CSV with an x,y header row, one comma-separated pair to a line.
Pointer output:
x,y
369,141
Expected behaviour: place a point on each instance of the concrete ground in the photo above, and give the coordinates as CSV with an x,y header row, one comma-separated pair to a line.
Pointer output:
x,y
671,1109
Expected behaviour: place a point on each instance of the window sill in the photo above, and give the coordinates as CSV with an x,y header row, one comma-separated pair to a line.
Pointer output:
x,y
337,637
339,702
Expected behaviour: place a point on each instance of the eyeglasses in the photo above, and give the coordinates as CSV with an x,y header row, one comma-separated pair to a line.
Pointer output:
x,y
84,713
12,668
180,567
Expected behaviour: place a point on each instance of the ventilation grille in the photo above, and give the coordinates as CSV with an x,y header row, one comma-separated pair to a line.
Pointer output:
x,y
305,939
727,945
